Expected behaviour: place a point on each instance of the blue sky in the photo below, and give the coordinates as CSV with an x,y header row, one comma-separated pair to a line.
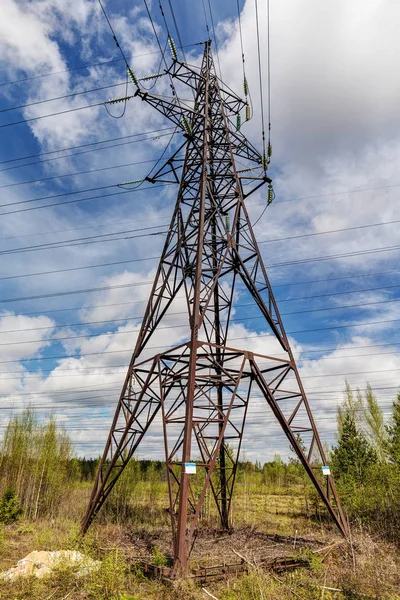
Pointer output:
x,y
335,134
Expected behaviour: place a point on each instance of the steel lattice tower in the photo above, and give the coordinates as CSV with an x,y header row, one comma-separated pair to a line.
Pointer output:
x,y
199,392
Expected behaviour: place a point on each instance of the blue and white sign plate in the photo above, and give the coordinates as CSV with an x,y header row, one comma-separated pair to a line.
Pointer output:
x,y
190,468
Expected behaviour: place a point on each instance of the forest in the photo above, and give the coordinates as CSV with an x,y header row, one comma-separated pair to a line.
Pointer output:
x,y
45,489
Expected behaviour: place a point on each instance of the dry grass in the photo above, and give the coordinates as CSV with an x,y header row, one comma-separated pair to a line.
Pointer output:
x,y
371,567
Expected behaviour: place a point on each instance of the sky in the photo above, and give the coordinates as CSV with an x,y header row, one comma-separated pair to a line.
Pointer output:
x,y
76,268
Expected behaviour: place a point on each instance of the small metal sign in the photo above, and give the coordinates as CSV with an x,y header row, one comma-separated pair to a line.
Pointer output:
x,y
190,468
326,470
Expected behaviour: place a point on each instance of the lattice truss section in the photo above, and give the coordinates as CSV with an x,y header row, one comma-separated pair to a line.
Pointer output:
x,y
202,390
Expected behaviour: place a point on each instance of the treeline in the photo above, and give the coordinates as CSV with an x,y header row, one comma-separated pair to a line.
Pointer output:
x,y
39,473
146,468
36,465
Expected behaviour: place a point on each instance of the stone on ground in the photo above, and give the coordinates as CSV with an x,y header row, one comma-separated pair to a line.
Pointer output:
x,y
40,563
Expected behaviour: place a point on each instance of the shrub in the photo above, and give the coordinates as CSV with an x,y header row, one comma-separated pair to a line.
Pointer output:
x,y
10,509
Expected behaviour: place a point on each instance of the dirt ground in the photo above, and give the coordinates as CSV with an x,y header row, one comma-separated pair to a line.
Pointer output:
x,y
214,547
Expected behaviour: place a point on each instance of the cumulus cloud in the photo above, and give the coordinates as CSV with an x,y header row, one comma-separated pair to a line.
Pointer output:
x,y
335,131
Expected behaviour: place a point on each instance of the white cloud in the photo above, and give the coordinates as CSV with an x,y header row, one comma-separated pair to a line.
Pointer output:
x,y
335,128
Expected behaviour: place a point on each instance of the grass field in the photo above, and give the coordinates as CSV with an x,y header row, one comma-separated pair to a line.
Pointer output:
x,y
369,568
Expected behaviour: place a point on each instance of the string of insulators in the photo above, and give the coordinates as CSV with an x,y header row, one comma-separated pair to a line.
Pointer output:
x,y
266,159
227,224
247,112
133,76
116,100
134,182
238,122
151,77
265,162
246,170
186,125
271,194
245,87
172,47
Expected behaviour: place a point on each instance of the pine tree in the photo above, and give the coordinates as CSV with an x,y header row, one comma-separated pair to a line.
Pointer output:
x,y
393,431
353,455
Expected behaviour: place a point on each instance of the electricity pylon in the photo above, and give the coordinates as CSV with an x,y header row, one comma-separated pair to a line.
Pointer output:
x,y
199,392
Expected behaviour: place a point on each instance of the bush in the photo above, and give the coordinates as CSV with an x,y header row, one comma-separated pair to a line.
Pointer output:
x,y
10,509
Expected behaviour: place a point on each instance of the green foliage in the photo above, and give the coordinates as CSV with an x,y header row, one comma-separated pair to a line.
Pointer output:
x,y
108,582
393,432
352,407
36,461
10,508
353,455
159,558
376,430
368,484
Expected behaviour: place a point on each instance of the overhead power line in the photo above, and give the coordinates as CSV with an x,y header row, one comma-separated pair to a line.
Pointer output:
x,y
66,149
279,300
74,154
71,95
215,39
260,77
239,320
77,389
115,185
257,336
77,200
87,240
77,173
55,114
129,350
78,370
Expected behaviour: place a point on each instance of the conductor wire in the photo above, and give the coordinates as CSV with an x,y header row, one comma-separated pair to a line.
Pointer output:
x,y
260,78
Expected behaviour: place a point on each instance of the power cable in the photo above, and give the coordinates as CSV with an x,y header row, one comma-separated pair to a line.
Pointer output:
x,y
55,114
73,155
307,235
77,200
261,86
123,137
88,66
233,320
105,87
162,53
90,388
124,365
289,238
265,241
125,101
258,336
105,196
73,308
99,170
126,350
269,73
332,194
279,300
87,240
177,30
245,81
113,34
72,292
205,18
215,39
